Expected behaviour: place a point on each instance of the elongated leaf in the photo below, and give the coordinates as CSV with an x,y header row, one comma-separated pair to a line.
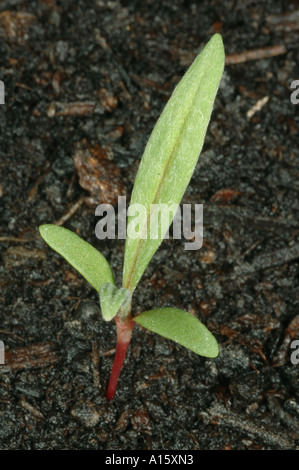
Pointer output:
x,y
113,300
181,327
81,255
172,152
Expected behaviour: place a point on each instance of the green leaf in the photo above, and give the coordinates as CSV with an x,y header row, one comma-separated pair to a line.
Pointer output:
x,y
114,300
181,327
172,152
81,255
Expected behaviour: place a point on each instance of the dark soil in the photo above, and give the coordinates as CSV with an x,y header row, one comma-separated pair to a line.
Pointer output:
x,y
96,75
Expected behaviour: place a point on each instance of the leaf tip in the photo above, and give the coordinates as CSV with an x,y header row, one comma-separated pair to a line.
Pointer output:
x,y
213,348
43,230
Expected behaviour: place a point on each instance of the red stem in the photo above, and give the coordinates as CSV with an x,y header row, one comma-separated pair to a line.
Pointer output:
x,y
124,334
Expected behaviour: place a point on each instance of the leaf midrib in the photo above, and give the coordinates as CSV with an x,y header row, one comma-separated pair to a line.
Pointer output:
x,y
159,188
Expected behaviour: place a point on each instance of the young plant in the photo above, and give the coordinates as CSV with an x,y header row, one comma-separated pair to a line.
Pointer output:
x,y
165,170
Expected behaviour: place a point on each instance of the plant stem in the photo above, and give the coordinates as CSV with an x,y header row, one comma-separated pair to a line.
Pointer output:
x,y
124,333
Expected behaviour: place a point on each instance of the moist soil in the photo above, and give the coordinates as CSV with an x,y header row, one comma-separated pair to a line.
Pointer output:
x,y
85,82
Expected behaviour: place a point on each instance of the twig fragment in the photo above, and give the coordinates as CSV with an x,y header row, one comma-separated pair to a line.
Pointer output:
x,y
220,416
95,364
34,411
70,212
255,54
257,107
17,239
31,356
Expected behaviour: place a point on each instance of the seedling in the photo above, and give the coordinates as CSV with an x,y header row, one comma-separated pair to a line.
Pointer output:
x,y
165,170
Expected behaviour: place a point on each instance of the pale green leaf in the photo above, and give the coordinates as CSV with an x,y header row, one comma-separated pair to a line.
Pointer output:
x,y
181,327
114,300
81,255
172,152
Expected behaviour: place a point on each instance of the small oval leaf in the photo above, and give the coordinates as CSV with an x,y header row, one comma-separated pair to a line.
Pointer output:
x,y
81,255
113,300
181,327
